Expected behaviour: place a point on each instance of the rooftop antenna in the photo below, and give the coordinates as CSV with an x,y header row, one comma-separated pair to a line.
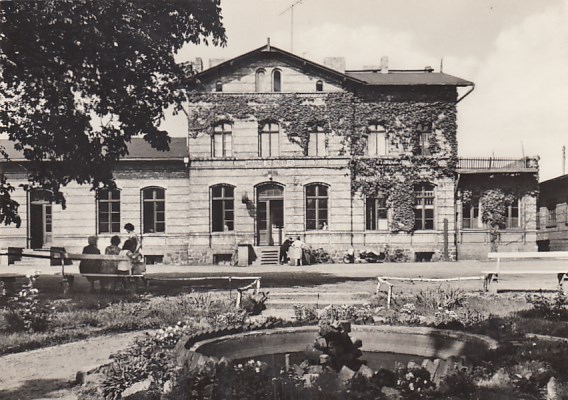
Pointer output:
x,y
523,149
563,160
291,8
442,64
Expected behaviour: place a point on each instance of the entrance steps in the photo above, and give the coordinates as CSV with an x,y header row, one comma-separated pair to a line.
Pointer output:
x,y
269,255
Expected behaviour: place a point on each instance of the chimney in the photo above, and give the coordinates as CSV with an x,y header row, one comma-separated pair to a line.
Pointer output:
x,y
335,63
215,61
384,65
198,64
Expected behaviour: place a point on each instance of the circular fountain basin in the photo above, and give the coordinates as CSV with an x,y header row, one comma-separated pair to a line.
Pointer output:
x,y
415,341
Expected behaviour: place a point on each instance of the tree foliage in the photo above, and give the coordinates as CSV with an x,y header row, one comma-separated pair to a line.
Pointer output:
x,y
80,78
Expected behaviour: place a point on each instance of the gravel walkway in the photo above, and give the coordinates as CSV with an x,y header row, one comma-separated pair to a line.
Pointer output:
x,y
49,373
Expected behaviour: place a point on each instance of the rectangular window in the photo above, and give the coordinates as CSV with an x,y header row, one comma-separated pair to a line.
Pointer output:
x,y
424,138
222,209
424,207
513,212
317,145
551,215
376,141
376,214
108,211
154,210
222,140
269,141
470,215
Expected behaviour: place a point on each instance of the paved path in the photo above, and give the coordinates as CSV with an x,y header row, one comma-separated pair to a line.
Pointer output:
x,y
48,373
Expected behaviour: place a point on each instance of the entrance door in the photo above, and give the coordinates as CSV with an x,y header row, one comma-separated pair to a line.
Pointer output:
x,y
270,215
40,219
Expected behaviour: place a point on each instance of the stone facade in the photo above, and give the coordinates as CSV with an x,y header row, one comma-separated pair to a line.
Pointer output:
x,y
222,189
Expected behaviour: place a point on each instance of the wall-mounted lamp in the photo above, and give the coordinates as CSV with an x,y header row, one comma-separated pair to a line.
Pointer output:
x,y
186,161
245,197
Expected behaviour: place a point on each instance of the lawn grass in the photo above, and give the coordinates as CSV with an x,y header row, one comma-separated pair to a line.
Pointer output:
x,y
85,315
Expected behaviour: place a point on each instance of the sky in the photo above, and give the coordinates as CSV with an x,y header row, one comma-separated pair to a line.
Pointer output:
x,y
515,51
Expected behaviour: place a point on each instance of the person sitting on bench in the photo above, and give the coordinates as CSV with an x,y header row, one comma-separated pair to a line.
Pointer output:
x,y
91,266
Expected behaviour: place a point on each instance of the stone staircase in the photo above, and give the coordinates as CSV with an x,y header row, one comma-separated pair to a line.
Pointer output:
x,y
268,255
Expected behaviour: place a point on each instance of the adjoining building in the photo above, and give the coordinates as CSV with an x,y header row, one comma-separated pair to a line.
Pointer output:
x,y
281,146
552,234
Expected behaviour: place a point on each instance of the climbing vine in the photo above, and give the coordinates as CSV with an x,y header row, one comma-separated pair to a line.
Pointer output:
x,y
349,116
494,194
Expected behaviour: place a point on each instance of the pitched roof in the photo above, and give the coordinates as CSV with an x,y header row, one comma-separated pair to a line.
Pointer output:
x,y
404,78
269,50
359,77
138,149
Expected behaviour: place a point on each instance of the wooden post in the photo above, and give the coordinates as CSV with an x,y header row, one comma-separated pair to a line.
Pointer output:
x,y
389,297
257,291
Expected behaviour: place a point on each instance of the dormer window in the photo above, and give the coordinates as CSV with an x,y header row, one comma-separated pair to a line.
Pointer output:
x,y
276,81
218,86
319,86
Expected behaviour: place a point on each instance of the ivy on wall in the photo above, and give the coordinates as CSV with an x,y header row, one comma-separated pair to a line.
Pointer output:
x,y
494,194
349,116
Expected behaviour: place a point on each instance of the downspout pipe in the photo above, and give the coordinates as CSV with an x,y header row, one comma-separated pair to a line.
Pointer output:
x,y
467,94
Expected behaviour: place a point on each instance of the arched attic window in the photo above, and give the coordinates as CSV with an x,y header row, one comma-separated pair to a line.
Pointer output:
x,y
260,80
218,86
319,86
276,80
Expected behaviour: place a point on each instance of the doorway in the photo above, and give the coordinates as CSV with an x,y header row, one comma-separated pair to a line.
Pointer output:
x,y
270,215
40,221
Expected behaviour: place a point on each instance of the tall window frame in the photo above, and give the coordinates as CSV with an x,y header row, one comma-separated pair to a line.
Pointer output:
x,y
269,140
376,140
108,211
222,140
471,215
153,209
514,214
424,207
222,208
276,80
376,213
317,143
425,137
317,206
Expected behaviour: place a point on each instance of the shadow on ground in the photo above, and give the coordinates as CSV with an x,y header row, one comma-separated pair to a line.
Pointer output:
x,y
173,283
35,389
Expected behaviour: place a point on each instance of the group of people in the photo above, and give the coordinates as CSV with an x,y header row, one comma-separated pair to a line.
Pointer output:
x,y
292,251
134,265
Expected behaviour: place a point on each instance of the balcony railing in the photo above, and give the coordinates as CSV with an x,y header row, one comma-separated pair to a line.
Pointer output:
x,y
500,164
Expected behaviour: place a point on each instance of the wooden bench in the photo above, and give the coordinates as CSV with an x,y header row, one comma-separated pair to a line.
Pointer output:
x,y
492,276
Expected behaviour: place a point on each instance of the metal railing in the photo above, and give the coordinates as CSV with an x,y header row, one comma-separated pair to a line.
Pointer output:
x,y
504,163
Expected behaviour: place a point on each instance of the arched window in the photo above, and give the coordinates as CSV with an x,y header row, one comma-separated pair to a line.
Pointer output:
x,y
218,86
153,210
317,144
376,213
260,82
222,140
222,208
316,207
376,140
108,210
424,206
319,86
276,80
269,144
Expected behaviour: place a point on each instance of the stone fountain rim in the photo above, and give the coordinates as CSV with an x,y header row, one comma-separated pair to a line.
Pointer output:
x,y
490,343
